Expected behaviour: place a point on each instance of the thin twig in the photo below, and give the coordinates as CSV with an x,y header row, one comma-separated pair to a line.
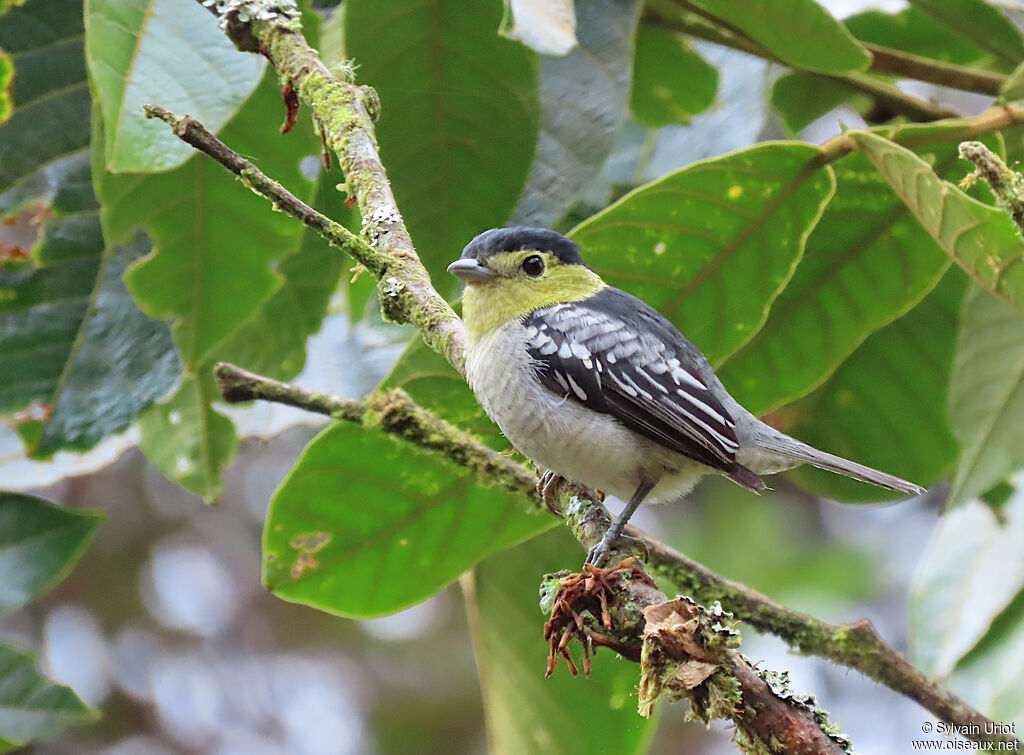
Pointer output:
x,y
856,645
345,115
195,133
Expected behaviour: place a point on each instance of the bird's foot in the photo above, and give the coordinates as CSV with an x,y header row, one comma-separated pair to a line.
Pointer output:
x,y
550,488
601,552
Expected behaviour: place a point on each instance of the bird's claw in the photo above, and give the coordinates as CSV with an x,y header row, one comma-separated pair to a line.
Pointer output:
x,y
550,488
600,553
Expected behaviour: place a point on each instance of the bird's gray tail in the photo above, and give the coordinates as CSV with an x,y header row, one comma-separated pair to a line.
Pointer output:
x,y
793,449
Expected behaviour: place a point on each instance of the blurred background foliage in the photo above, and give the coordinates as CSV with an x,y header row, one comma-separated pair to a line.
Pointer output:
x,y
862,302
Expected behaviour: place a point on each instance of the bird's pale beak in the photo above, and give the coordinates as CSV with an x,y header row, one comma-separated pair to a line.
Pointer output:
x,y
470,271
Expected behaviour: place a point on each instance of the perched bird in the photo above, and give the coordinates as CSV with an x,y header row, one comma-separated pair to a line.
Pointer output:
x,y
598,387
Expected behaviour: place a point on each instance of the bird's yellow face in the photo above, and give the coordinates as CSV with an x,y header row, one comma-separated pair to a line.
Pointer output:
x,y
506,286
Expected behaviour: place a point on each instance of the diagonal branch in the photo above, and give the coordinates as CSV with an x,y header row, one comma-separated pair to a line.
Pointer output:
x,y
856,646
344,115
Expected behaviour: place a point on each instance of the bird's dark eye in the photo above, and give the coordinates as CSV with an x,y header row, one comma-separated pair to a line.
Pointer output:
x,y
533,266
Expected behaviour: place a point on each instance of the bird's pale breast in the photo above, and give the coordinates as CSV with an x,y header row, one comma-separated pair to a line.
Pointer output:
x,y
558,433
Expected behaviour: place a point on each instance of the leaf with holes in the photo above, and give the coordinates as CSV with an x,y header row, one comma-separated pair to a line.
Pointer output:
x,y
72,341
164,52
39,543
365,525
526,712
31,706
885,405
986,394
472,95
210,269
798,32
711,246
866,263
978,237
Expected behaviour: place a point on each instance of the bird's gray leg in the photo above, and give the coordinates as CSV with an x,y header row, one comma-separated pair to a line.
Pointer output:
x,y
613,535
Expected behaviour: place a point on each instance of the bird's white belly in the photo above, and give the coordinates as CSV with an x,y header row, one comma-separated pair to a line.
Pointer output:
x,y
560,434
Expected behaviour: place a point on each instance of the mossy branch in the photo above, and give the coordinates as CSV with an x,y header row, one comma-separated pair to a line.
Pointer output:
x,y
857,646
1007,184
685,651
344,114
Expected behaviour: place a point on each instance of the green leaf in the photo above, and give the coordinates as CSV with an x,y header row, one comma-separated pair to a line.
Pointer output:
x,y
583,101
6,79
978,237
986,394
214,244
525,711
189,441
39,543
970,572
989,676
71,338
1013,89
981,23
912,31
32,707
43,39
460,114
885,405
798,32
365,525
273,341
711,246
671,82
168,53
867,262
801,98
433,383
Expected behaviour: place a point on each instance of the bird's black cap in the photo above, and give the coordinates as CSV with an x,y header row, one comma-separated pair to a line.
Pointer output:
x,y
521,238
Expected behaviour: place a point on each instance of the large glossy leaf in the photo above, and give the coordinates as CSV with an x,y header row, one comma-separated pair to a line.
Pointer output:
x,y
981,23
166,52
72,341
526,712
583,100
460,114
31,707
885,406
210,269
39,543
971,571
366,525
978,237
798,32
989,676
711,246
986,394
273,341
866,263
1013,89
44,41
671,82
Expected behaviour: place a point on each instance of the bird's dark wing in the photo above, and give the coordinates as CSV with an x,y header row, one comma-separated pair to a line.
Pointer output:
x,y
615,354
